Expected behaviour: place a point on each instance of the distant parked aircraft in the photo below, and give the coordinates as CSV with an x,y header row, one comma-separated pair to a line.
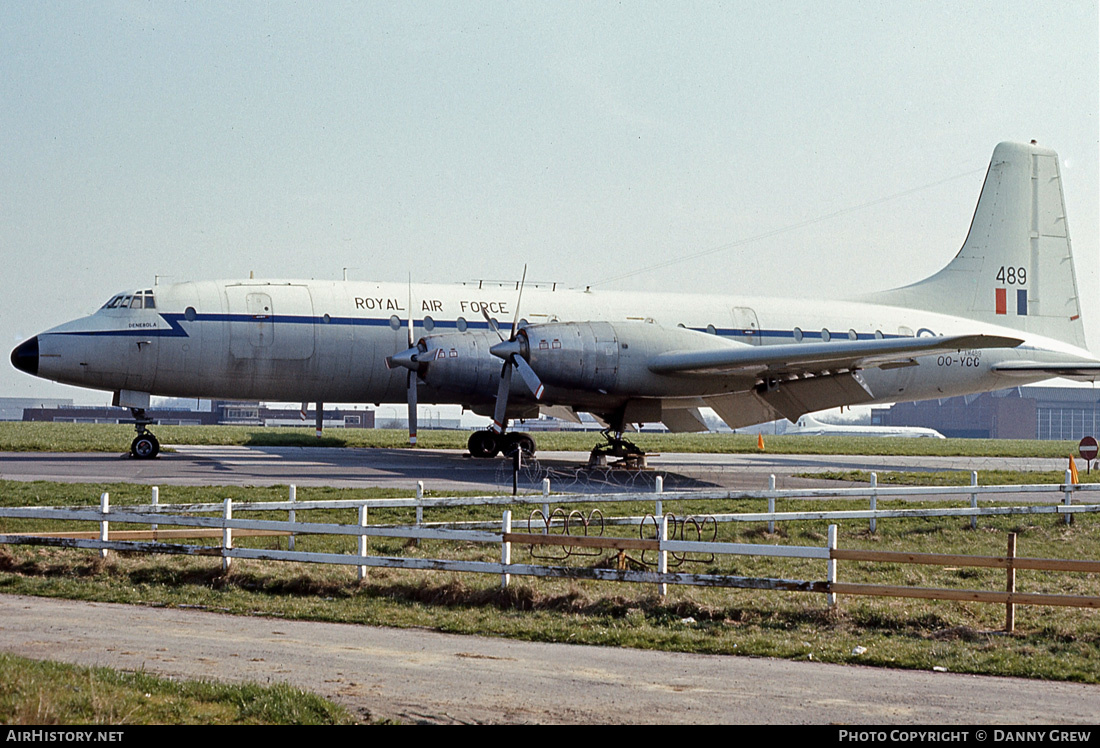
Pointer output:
x,y
808,426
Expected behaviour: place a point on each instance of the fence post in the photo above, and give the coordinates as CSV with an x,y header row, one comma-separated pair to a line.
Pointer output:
x,y
662,556
830,569
506,548
1068,497
362,541
874,500
227,535
659,488
1010,607
419,507
771,503
156,504
104,508
546,505
292,516
974,500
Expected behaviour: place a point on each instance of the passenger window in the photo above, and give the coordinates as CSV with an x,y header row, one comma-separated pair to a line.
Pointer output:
x,y
460,324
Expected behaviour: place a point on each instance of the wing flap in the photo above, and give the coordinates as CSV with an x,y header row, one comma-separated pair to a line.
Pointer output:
x,y
740,409
683,420
795,398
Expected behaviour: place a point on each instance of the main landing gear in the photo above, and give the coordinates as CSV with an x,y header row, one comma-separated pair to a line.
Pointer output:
x,y
486,444
144,446
632,456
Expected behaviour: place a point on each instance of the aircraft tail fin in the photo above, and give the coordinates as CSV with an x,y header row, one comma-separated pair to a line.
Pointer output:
x,y
1015,268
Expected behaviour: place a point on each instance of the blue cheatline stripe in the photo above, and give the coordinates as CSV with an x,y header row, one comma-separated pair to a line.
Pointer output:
x,y
1021,302
176,330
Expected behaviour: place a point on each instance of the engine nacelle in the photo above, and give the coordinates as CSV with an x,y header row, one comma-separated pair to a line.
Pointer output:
x,y
613,357
460,363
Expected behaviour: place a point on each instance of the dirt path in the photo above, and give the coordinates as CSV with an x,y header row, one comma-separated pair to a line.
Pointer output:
x,y
421,676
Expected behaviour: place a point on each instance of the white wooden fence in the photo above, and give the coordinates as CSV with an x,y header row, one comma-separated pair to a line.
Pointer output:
x,y
541,529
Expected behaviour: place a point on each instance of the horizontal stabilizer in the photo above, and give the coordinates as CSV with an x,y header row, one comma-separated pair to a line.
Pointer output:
x,y
1085,372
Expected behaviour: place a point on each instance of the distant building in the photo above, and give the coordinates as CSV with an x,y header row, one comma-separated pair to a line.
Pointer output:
x,y
221,413
1017,413
11,408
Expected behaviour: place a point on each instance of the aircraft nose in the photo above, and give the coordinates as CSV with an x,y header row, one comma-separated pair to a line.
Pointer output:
x,y
25,356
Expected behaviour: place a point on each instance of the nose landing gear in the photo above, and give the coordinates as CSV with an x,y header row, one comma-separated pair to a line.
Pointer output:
x,y
144,446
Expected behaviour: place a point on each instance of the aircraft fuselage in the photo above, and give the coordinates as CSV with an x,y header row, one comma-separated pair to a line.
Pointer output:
x,y
328,341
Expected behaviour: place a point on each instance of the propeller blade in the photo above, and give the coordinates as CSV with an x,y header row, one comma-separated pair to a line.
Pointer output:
x,y
492,323
411,384
519,303
500,412
411,340
530,378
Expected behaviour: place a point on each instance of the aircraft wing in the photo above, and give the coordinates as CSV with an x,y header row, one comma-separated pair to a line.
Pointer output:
x,y
806,377
813,358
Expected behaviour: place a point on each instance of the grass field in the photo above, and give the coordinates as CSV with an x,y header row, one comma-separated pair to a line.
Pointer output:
x,y
1050,643
72,437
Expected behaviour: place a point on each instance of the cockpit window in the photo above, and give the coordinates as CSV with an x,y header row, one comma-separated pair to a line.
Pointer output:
x,y
139,300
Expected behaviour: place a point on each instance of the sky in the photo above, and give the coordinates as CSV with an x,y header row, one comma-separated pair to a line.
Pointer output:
x,y
782,148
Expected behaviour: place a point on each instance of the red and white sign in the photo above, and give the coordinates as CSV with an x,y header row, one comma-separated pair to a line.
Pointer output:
x,y
1088,449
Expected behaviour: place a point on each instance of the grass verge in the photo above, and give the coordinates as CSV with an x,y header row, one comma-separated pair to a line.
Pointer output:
x,y
72,437
951,477
49,693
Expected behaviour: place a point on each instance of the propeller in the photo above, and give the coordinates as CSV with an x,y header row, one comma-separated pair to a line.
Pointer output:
x,y
412,359
512,351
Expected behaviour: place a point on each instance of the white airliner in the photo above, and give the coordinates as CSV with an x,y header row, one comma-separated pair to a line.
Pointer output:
x,y
1005,311
810,426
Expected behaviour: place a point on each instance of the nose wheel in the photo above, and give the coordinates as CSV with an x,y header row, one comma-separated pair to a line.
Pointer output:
x,y
144,446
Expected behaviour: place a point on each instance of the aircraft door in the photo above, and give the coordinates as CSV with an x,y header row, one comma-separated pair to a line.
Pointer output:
x,y
746,327
261,328
273,322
